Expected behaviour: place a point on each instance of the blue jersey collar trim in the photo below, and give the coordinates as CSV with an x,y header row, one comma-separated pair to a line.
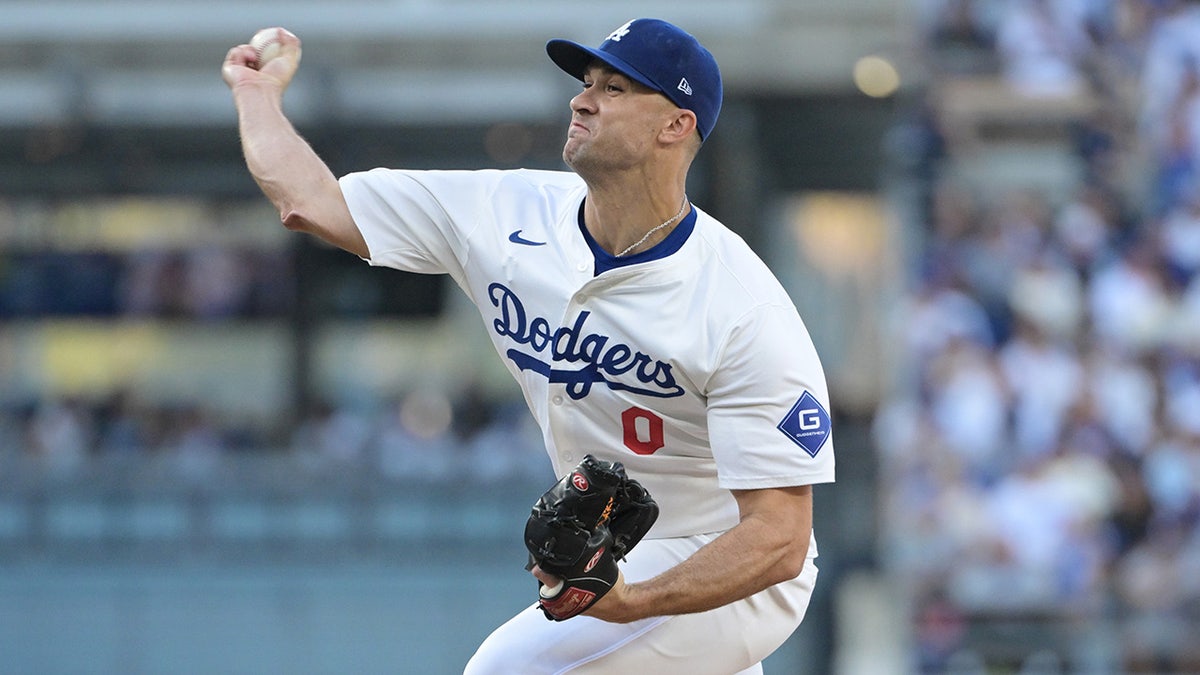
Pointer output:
x,y
674,241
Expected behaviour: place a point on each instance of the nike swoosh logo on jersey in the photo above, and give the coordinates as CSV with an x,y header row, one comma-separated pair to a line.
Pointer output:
x,y
516,238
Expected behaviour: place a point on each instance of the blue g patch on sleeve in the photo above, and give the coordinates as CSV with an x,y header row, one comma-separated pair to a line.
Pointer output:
x,y
807,424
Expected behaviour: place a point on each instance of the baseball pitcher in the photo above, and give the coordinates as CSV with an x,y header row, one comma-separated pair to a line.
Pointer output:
x,y
678,392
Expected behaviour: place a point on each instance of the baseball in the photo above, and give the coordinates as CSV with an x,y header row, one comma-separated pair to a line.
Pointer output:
x,y
550,592
266,44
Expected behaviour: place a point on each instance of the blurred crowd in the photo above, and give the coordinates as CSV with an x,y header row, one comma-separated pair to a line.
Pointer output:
x,y
202,283
1042,456
425,434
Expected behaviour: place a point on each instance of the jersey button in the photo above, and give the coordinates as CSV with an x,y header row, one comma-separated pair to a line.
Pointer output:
x,y
558,400
581,298
582,267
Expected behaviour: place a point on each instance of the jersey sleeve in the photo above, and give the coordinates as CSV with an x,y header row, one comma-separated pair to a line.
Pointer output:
x,y
768,405
417,221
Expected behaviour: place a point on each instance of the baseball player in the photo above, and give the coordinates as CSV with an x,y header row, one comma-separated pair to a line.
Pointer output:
x,y
640,330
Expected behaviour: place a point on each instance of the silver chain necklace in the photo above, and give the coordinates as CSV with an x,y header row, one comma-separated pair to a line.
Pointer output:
x,y
639,242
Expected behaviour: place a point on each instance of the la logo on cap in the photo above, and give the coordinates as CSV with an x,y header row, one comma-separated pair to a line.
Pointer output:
x,y
621,32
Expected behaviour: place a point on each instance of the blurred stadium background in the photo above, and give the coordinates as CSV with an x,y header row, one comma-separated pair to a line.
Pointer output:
x,y
226,449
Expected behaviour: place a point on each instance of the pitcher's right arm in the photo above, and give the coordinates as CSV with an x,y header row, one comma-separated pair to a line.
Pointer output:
x,y
286,168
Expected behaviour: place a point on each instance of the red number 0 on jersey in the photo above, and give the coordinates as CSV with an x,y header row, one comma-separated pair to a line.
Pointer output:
x,y
643,431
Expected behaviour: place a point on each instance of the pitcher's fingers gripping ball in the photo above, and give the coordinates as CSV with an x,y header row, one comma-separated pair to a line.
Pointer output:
x,y
266,45
273,54
580,528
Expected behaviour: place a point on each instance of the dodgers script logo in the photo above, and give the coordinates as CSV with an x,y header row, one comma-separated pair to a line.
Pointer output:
x,y
601,360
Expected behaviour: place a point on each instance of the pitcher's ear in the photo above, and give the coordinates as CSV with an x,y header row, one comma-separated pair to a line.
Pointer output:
x,y
680,126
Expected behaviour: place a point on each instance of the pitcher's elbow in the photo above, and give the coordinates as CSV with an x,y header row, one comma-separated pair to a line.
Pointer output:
x,y
792,559
294,221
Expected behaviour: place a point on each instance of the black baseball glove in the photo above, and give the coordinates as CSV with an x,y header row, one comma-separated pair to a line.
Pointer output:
x,y
580,528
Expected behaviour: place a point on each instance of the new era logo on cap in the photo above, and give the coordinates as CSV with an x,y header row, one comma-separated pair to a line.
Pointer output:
x,y
661,56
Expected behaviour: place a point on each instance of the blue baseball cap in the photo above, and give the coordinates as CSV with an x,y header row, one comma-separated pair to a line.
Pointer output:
x,y
661,56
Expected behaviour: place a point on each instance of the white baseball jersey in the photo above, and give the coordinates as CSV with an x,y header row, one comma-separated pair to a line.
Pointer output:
x,y
688,362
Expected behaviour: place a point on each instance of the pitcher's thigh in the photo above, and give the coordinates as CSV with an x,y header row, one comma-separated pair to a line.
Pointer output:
x,y
729,640
724,641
